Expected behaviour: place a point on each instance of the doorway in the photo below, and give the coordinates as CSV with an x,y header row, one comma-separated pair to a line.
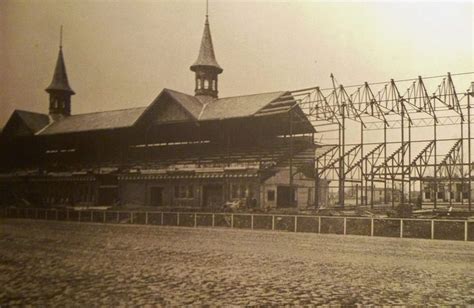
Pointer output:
x,y
156,196
283,196
212,195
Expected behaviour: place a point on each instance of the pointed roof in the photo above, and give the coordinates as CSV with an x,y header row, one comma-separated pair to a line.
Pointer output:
x,y
60,81
206,57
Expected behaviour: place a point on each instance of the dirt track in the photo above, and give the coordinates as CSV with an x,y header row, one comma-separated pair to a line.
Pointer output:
x,y
60,263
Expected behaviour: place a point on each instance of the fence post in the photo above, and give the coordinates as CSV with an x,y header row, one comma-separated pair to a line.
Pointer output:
x,y
131,217
67,214
104,216
195,220
432,229
251,221
79,215
118,217
56,214
401,228
177,219
319,224
273,222
345,225
296,223
46,214
231,220
92,216
213,219
161,218
371,227
146,218
465,230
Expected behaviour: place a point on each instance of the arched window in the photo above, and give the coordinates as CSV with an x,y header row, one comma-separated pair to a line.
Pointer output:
x,y
206,84
199,83
214,86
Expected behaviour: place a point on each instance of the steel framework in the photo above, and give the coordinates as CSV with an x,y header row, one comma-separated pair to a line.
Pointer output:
x,y
402,158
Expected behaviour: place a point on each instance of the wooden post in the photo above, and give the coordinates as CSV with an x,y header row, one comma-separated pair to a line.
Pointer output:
x,y
92,216
296,223
79,216
371,227
231,220
177,219
465,230
118,217
195,220
401,228
213,220
56,214
46,214
273,222
345,225
319,224
67,214
251,221
131,217
146,218
104,216
161,218
432,229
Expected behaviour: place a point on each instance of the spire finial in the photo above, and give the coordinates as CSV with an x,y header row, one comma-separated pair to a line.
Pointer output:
x,y
61,37
207,8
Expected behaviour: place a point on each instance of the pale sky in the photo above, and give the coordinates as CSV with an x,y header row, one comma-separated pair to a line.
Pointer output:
x,y
121,54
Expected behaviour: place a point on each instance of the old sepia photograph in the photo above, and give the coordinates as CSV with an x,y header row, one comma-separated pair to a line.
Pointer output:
x,y
239,153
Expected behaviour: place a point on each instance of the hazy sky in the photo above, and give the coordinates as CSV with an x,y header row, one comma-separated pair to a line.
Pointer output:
x,y
120,54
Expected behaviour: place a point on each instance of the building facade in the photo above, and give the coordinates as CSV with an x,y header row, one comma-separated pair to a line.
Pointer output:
x,y
197,151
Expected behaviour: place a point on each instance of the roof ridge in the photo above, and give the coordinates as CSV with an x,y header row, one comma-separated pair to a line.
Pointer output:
x,y
103,111
253,94
190,95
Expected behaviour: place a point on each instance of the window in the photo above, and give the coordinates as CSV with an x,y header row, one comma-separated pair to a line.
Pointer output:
x,y
206,84
239,191
271,195
184,192
427,195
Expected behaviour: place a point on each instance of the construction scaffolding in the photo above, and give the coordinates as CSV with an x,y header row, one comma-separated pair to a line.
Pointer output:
x,y
393,147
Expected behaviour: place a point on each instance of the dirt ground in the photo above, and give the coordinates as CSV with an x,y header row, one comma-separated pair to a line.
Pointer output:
x,y
66,263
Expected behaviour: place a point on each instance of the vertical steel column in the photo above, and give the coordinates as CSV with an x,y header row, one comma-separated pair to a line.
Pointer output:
x,y
469,145
435,161
385,199
317,190
291,195
362,167
462,161
403,154
409,162
342,148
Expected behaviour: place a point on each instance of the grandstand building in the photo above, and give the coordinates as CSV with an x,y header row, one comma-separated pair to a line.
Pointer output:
x,y
181,150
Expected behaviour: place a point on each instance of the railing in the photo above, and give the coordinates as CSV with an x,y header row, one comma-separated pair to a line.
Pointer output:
x,y
462,230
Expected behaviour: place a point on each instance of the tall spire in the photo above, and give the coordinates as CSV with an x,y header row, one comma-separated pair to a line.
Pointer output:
x,y
206,66
206,55
59,90
60,81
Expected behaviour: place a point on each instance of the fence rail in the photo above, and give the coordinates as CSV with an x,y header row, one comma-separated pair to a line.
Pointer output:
x,y
461,230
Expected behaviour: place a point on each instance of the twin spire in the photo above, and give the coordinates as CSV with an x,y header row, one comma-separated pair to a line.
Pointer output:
x,y
59,90
205,67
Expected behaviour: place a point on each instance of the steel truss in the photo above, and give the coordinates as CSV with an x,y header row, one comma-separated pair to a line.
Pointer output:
x,y
382,107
